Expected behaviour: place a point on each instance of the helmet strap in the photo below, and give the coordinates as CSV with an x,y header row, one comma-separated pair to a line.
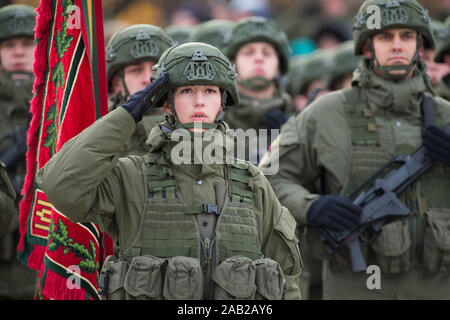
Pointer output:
x,y
386,71
121,75
256,83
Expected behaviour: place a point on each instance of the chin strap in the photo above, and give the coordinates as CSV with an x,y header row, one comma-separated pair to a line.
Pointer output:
x,y
121,75
10,74
386,71
256,83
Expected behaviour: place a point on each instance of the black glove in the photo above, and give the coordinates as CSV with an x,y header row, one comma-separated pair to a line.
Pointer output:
x,y
140,102
437,143
274,119
334,212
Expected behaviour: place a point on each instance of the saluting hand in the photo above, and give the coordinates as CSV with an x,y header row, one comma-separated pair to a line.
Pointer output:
x,y
140,102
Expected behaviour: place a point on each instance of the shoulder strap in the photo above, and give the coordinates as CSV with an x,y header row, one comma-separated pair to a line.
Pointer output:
x,y
427,110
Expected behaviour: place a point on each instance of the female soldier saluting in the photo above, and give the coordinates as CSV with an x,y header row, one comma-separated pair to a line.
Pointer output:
x,y
188,230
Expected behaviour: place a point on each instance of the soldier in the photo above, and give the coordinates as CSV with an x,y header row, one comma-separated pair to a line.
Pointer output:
x,y
260,51
16,81
216,32
130,55
306,77
345,62
443,58
346,136
206,227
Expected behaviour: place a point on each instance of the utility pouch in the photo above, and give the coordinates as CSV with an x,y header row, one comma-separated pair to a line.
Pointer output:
x,y
184,279
235,279
112,278
144,280
269,280
392,247
436,250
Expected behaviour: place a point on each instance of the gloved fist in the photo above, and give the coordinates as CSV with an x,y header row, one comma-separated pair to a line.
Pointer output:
x,y
437,144
140,102
274,119
334,212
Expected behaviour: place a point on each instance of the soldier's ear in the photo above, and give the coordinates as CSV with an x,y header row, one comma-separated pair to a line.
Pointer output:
x,y
116,84
166,107
366,51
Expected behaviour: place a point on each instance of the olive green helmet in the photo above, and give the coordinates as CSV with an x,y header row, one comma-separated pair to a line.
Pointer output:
x,y
344,63
253,29
444,45
17,20
215,32
179,34
306,69
134,44
196,63
394,14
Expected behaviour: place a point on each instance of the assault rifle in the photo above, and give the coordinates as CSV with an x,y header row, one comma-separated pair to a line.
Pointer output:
x,y
380,204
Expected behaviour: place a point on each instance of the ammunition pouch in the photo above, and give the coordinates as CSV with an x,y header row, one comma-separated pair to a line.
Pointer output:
x,y
436,250
392,247
143,280
112,278
181,278
239,278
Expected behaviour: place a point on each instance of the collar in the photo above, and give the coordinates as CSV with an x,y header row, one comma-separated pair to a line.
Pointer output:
x,y
401,97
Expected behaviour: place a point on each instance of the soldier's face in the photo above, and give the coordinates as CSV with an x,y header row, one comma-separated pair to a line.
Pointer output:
x,y
257,59
394,47
17,54
197,104
137,77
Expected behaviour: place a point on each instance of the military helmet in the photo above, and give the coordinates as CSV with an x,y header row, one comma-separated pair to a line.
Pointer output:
x,y
215,32
393,14
17,20
134,44
345,62
306,69
179,34
253,29
444,45
196,63
439,30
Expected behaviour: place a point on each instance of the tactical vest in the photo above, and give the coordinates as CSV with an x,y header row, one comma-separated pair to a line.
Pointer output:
x,y
169,229
401,241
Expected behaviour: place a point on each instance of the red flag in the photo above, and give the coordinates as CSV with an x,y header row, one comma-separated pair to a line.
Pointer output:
x,y
70,94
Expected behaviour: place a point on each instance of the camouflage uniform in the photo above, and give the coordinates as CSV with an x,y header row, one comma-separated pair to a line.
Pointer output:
x,y
345,137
